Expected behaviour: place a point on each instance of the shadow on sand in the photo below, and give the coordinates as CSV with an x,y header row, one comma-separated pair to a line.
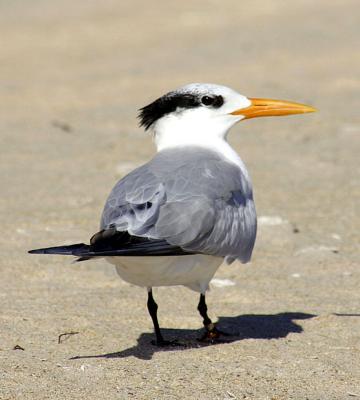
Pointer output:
x,y
240,327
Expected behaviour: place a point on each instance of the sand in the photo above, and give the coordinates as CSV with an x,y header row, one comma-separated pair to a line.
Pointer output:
x,y
72,76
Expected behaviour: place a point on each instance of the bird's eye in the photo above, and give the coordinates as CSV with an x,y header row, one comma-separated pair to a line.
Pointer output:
x,y
207,100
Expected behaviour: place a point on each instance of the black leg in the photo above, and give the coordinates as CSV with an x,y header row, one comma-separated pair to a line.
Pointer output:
x,y
202,307
152,307
211,332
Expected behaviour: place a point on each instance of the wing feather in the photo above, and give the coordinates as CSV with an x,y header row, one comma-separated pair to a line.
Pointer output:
x,y
189,198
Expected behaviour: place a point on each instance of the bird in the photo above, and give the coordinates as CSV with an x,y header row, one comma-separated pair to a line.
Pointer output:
x,y
175,219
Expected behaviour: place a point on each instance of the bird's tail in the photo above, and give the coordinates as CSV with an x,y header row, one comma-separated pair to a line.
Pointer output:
x,y
71,250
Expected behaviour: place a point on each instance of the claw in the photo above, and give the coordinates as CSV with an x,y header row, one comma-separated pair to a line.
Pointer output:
x,y
212,335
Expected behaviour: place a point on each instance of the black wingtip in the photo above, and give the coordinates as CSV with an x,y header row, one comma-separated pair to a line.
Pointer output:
x,y
71,250
36,251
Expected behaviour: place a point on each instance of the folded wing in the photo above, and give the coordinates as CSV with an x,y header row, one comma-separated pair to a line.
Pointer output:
x,y
191,199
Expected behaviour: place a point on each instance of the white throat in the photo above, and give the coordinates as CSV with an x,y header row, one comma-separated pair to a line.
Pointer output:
x,y
194,129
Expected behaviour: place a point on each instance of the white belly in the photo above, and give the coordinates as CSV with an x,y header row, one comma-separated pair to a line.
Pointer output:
x,y
194,271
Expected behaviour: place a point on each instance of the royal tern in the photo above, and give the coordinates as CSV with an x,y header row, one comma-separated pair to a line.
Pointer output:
x,y
175,219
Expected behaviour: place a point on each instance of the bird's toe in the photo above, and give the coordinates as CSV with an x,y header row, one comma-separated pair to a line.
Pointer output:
x,y
213,335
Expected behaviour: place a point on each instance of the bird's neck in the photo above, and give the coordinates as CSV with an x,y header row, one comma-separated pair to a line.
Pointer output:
x,y
205,138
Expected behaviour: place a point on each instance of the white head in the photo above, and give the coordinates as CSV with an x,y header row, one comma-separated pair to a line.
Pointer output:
x,y
203,113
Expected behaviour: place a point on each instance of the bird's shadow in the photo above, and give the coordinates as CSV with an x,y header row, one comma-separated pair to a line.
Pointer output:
x,y
239,328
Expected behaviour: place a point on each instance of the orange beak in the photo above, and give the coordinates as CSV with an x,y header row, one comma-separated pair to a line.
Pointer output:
x,y
270,108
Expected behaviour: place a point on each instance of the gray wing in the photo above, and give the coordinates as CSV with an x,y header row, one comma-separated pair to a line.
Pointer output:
x,y
191,198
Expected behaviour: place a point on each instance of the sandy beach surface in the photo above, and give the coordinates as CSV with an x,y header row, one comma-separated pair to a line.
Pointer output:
x,y
72,76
